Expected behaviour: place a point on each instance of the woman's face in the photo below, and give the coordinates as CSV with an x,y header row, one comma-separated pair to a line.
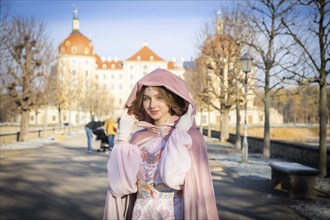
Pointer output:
x,y
155,106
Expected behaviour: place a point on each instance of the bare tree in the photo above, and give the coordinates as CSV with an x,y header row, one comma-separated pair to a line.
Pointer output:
x,y
29,51
269,50
312,37
198,82
236,26
220,53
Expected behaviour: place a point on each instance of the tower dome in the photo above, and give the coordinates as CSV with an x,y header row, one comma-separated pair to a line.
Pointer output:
x,y
76,43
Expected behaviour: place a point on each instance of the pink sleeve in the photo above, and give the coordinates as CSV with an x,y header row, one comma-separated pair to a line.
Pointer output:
x,y
123,165
175,161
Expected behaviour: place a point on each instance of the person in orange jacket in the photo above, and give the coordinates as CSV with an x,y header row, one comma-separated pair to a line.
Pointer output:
x,y
110,130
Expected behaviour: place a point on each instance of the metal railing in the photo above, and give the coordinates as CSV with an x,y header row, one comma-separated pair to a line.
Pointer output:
x,y
12,137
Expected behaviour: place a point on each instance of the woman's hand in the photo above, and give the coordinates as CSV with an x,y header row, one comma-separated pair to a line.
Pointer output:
x,y
125,126
186,121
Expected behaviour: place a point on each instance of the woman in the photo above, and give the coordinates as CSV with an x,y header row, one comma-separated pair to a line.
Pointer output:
x,y
162,171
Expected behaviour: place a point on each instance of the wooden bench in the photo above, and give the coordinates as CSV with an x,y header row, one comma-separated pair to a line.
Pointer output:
x,y
299,180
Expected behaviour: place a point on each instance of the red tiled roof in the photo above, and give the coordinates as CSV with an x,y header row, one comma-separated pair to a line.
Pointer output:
x,y
171,65
145,54
77,44
108,64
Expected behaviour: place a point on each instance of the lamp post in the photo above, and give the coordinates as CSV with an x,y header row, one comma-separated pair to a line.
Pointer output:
x,y
246,62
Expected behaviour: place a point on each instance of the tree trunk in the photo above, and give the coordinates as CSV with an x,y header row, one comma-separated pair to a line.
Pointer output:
x,y
266,144
238,118
24,132
323,127
59,117
201,121
45,121
224,125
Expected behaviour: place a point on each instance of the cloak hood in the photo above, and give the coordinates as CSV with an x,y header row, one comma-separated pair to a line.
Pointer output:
x,y
162,77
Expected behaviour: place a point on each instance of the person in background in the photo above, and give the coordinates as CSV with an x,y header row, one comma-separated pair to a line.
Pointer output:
x,y
110,130
89,128
161,171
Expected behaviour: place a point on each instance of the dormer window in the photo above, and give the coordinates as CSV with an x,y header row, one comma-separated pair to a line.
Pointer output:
x,y
67,43
104,66
86,50
74,50
113,66
151,58
62,50
138,58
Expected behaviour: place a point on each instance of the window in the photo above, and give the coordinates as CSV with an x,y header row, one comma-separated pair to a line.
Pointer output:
x,y
86,50
138,58
31,118
86,73
151,58
120,101
96,76
62,50
74,72
250,119
104,66
74,50
67,43
218,119
113,66
54,118
204,119
145,69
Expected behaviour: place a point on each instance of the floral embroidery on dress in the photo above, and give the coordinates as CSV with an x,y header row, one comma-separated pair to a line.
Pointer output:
x,y
155,200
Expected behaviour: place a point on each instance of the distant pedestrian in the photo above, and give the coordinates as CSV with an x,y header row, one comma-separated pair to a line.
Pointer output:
x,y
89,128
110,130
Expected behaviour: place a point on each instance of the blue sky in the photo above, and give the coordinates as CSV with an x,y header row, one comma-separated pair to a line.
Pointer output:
x,y
119,28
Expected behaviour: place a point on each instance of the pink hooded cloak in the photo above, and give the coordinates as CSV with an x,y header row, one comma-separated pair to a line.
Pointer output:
x,y
191,173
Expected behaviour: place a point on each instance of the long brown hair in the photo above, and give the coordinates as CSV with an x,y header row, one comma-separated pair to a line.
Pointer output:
x,y
176,104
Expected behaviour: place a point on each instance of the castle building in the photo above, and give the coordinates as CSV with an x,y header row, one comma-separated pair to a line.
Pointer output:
x,y
86,77
82,72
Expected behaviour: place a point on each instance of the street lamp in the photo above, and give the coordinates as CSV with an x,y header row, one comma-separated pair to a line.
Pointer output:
x,y
246,62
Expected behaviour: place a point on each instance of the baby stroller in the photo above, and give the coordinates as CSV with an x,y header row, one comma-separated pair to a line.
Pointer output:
x,y
101,136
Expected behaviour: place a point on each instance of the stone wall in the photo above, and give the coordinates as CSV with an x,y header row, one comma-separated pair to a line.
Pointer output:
x,y
288,151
